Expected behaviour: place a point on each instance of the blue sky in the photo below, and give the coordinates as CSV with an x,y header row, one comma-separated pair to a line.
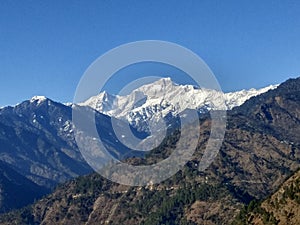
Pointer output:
x,y
45,46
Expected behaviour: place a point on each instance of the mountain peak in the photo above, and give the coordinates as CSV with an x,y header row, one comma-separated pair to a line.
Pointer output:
x,y
38,99
158,87
165,81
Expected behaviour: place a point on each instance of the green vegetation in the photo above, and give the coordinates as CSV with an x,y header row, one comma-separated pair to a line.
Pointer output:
x,y
293,191
171,210
254,207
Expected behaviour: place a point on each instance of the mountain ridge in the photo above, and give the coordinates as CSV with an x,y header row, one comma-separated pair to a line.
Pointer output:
x,y
156,100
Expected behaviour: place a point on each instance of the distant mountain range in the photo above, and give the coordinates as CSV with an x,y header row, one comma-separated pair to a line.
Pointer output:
x,y
156,100
260,151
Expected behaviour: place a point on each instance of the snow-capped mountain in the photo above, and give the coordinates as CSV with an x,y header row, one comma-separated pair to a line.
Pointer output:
x,y
153,101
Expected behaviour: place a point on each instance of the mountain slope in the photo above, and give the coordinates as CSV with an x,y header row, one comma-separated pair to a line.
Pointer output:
x,y
36,140
16,190
94,200
281,208
272,111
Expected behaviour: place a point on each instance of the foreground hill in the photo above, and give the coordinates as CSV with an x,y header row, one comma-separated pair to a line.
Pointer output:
x,y
260,151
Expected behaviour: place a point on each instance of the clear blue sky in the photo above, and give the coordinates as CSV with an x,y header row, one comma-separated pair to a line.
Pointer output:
x,y
45,46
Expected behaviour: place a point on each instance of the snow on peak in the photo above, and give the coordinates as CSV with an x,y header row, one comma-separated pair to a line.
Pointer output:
x,y
38,99
239,97
102,102
164,81
157,99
